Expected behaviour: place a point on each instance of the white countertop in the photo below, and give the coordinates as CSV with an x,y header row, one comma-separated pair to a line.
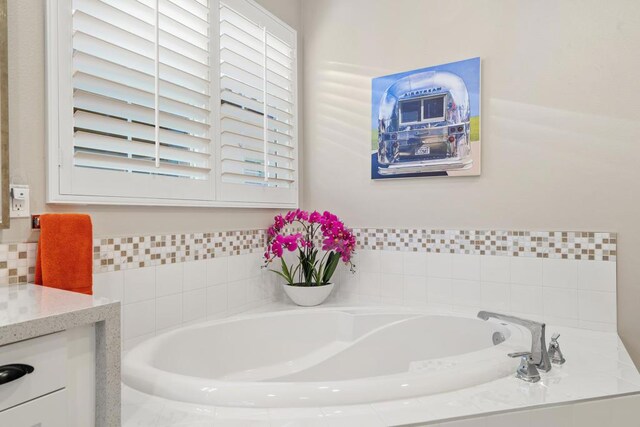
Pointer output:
x,y
28,302
598,366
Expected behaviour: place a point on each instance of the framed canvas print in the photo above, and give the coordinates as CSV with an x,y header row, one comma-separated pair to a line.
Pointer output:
x,y
426,122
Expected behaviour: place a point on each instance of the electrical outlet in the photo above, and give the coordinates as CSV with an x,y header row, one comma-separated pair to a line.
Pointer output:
x,y
19,201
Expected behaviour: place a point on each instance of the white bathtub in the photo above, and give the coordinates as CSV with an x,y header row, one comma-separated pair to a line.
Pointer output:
x,y
322,356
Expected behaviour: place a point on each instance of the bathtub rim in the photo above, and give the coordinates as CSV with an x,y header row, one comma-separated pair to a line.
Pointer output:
x,y
144,377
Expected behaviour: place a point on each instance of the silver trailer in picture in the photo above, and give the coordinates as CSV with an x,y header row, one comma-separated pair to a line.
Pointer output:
x,y
423,125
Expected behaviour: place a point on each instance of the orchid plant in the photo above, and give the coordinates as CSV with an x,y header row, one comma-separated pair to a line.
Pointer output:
x,y
312,268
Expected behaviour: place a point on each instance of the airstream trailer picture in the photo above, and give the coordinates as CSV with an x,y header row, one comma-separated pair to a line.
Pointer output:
x,y
426,122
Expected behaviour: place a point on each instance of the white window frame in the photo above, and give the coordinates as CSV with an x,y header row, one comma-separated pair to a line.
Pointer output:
x,y
59,131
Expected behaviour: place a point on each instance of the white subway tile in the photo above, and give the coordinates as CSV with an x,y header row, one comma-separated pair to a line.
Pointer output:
x,y
526,299
217,271
240,266
561,303
350,281
415,290
597,276
391,286
139,319
526,271
168,311
109,285
439,265
439,290
237,294
415,263
139,284
169,279
597,306
466,267
368,261
254,290
216,299
195,275
495,296
392,262
494,269
597,326
560,273
194,305
465,293
369,283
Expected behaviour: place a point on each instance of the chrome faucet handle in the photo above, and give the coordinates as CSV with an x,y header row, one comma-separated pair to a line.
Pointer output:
x,y
527,370
555,354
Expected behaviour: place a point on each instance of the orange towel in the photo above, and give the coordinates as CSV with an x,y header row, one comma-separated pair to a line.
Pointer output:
x,y
65,252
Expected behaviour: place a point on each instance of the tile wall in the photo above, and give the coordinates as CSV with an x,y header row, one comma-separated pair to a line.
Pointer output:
x,y
566,292
164,281
159,298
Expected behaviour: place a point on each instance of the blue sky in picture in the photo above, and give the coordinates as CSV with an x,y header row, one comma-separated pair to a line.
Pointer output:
x,y
468,70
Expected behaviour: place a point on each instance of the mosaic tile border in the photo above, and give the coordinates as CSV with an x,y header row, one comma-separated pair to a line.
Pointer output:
x,y
576,245
17,260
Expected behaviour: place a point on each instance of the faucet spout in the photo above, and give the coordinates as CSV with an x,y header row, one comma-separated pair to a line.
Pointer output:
x,y
539,354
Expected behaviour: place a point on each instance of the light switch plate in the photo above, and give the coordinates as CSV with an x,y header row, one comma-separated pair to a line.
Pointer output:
x,y
20,207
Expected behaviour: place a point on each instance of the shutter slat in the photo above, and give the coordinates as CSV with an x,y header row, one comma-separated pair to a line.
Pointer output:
x,y
101,30
236,86
128,164
113,107
100,68
191,51
247,39
140,9
172,26
278,57
249,144
242,62
194,7
124,93
227,95
228,15
280,46
112,126
252,118
234,45
244,76
184,16
276,68
122,146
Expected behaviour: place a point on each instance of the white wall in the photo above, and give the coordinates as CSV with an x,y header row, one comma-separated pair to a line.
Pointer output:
x,y
560,118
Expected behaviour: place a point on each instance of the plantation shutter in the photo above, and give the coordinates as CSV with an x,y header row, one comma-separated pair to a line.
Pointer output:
x,y
257,158
141,89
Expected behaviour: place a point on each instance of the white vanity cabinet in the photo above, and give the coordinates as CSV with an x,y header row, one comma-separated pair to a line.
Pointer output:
x,y
59,358
45,411
59,388
48,381
47,357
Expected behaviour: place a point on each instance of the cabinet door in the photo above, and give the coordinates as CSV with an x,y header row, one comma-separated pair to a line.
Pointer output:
x,y
45,411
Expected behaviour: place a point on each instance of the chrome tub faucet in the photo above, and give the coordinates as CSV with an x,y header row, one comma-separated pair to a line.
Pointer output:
x,y
538,357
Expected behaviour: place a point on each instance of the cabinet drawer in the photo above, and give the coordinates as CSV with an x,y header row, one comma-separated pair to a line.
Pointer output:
x,y
46,411
48,357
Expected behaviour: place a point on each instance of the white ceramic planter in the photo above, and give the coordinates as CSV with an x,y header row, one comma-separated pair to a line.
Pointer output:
x,y
308,296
